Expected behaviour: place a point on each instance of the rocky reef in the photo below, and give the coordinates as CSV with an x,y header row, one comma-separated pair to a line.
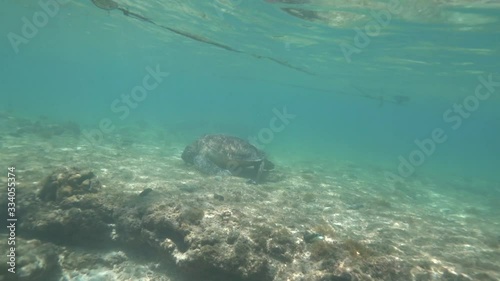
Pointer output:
x,y
67,182
73,227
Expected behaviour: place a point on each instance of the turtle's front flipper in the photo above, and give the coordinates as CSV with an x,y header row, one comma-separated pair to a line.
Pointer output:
x,y
260,168
208,167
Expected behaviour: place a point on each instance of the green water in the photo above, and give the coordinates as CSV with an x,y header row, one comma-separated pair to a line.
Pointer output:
x,y
402,73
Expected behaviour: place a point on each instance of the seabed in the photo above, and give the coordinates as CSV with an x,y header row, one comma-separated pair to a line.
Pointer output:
x,y
154,218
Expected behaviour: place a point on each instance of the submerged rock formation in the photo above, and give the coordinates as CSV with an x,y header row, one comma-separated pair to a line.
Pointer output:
x,y
178,235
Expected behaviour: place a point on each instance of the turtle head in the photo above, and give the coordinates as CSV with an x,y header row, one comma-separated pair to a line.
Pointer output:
x,y
268,165
188,154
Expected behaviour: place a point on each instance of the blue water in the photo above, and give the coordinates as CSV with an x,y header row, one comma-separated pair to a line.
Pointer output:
x,y
85,58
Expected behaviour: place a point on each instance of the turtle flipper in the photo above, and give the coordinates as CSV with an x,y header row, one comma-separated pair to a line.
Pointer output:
x,y
208,167
259,168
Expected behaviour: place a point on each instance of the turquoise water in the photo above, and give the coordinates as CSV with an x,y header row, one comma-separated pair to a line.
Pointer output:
x,y
368,111
381,118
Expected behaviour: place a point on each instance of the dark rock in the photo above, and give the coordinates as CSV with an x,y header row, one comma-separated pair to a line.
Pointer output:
x,y
218,197
66,182
310,237
145,192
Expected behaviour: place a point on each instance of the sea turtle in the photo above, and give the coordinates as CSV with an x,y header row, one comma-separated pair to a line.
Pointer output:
x,y
227,155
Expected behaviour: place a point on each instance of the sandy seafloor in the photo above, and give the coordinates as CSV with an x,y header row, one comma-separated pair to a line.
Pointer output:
x,y
442,230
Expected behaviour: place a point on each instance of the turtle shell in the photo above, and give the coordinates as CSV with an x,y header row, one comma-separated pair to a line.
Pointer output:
x,y
225,151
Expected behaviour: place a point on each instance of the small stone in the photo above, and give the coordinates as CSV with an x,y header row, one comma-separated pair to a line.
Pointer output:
x,y
310,237
218,197
145,192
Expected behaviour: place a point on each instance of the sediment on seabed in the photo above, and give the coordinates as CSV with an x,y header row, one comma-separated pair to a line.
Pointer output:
x,y
128,210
